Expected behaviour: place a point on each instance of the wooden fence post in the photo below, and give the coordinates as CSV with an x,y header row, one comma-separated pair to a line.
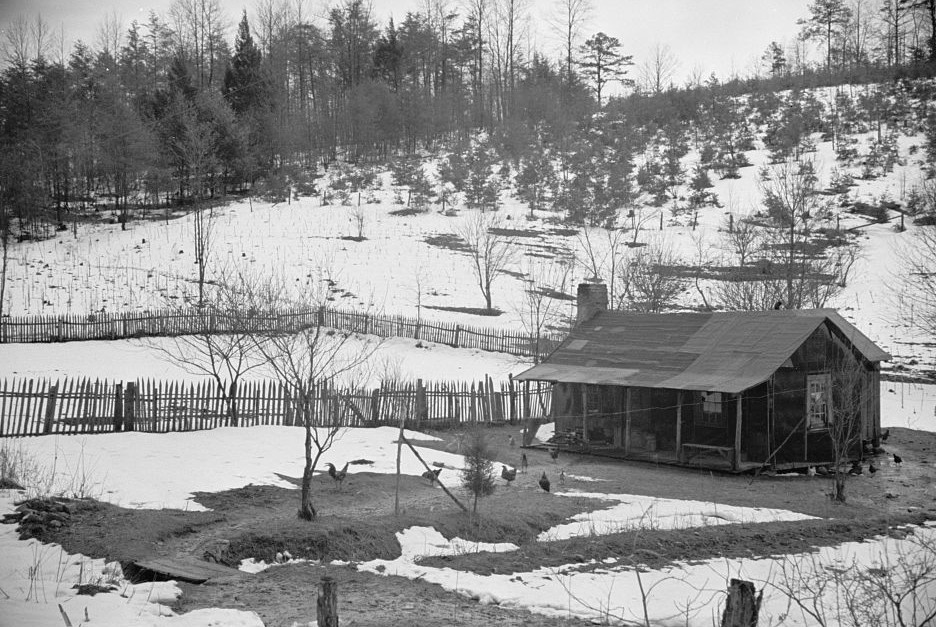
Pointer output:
x,y
130,397
50,409
118,407
742,605
457,333
422,411
326,605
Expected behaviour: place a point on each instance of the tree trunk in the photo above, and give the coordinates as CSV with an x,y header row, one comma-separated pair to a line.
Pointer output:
x,y
306,508
742,605
839,494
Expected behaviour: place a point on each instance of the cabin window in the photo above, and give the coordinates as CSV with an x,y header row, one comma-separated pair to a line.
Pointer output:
x,y
818,389
593,399
712,414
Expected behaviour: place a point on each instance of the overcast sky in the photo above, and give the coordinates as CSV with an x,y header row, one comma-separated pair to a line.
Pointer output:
x,y
721,36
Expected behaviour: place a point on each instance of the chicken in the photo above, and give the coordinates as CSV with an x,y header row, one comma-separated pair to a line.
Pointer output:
x,y
337,475
554,453
562,477
511,442
544,482
885,435
898,459
432,475
523,463
822,471
856,469
508,474
873,467
811,471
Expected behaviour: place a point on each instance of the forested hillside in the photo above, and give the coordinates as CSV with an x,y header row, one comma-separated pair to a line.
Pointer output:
x,y
175,108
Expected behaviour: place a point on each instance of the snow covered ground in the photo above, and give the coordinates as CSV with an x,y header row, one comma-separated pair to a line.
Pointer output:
x,y
689,594
127,360
214,460
202,461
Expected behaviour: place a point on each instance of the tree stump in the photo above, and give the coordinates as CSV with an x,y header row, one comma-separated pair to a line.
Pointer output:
x,y
327,603
742,606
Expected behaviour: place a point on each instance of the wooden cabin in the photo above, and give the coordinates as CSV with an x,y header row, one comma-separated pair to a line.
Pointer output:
x,y
727,390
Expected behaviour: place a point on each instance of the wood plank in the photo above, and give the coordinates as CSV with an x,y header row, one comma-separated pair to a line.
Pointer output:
x,y
188,569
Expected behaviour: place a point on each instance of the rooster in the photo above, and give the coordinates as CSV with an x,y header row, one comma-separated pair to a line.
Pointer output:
x,y
544,482
508,475
432,475
337,475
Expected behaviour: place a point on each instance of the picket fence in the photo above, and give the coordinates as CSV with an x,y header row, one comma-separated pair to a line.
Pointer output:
x,y
84,406
114,326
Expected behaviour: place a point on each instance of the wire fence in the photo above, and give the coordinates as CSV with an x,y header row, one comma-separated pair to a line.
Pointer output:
x,y
167,322
30,407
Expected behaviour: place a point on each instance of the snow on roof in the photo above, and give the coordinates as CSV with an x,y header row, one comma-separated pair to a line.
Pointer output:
x,y
720,351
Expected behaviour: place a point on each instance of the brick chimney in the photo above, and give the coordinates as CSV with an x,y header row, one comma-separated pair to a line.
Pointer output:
x,y
591,299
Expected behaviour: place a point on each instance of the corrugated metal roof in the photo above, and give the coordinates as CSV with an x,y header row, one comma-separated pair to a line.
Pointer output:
x,y
720,351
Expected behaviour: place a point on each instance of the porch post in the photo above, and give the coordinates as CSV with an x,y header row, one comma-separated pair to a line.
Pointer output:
x,y
736,464
627,422
584,412
679,425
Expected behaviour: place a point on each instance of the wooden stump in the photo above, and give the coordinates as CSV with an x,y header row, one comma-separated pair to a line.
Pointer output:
x,y
742,605
327,603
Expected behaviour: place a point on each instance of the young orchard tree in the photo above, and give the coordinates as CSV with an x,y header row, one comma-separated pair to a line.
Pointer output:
x,y
602,62
478,474
491,251
225,345
303,362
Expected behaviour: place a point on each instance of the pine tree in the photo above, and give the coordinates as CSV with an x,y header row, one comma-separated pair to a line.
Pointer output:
x,y
478,474
603,61
244,87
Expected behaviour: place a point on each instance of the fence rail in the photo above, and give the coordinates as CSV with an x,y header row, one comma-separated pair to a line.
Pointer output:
x,y
114,326
81,406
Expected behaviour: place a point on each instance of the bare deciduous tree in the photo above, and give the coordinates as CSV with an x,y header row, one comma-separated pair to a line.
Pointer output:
x,y
600,259
544,293
658,69
303,362
569,19
490,250
225,348
652,277
918,291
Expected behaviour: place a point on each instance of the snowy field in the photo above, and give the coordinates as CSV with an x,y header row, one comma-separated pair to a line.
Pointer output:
x,y
681,595
398,359
37,577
